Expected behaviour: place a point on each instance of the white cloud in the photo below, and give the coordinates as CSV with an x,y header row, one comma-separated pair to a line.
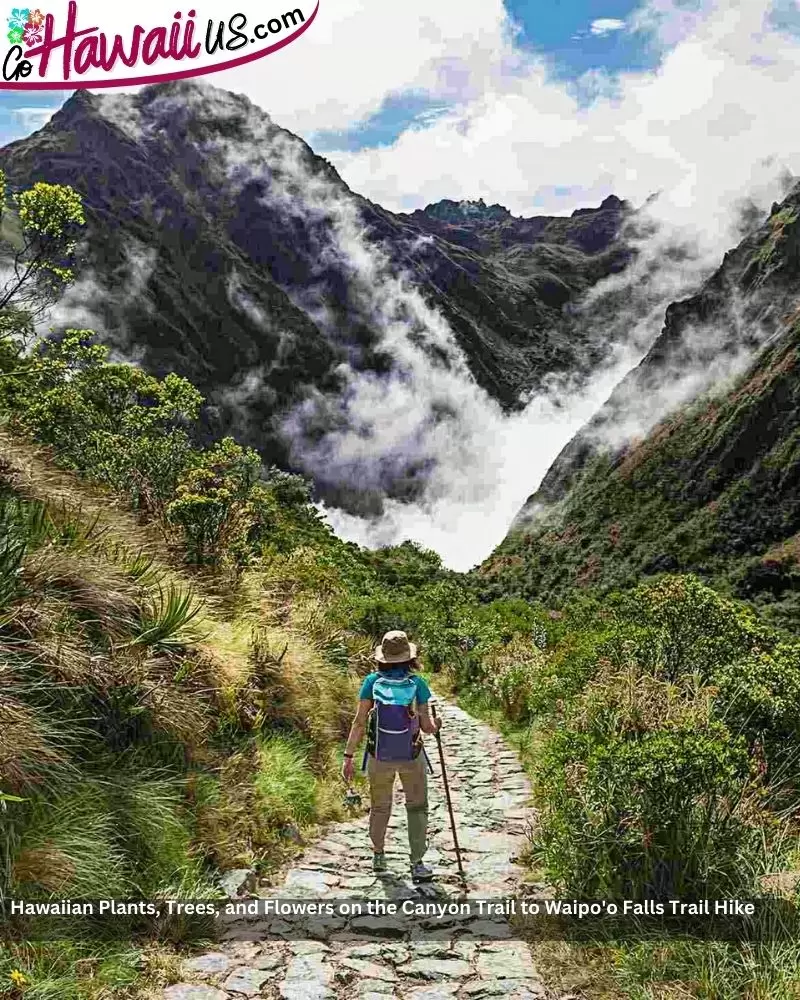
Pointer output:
x,y
700,129
426,416
32,119
606,26
355,55
481,484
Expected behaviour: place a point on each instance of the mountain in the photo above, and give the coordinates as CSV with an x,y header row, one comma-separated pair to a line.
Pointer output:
x,y
219,246
711,481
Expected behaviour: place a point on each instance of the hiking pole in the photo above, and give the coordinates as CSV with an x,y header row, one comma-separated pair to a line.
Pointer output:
x,y
449,800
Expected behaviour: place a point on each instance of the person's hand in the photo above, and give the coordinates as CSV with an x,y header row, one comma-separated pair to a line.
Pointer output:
x,y
348,769
437,723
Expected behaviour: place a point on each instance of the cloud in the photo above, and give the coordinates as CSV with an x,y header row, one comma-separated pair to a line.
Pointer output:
x,y
89,304
466,512
605,26
356,56
706,128
421,426
32,119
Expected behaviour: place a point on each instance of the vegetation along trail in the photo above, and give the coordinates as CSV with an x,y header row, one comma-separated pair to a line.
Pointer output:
x,y
374,957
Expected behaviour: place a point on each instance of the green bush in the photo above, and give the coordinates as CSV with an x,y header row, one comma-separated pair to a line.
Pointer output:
x,y
112,422
762,692
698,629
651,816
512,677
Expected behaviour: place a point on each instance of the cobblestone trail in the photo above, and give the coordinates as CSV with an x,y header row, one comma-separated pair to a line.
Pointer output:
x,y
367,957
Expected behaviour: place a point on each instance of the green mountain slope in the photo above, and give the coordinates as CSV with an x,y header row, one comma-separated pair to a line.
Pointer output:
x,y
714,486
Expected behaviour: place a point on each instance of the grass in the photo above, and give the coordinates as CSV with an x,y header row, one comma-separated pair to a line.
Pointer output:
x,y
286,788
72,972
716,970
156,730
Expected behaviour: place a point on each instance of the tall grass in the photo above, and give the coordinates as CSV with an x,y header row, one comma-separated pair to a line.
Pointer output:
x,y
133,756
285,785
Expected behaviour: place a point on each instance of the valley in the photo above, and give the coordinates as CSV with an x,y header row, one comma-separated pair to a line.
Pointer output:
x,y
239,342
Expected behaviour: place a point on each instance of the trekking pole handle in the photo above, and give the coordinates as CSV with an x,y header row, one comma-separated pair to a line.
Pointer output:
x,y
437,734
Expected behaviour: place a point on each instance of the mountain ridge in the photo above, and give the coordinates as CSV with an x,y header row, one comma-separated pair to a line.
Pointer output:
x,y
712,484
221,247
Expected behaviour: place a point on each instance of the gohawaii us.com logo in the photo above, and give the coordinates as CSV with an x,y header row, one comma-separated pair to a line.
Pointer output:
x,y
94,47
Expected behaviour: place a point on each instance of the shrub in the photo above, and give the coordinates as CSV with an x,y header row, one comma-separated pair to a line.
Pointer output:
x,y
642,793
216,503
699,629
513,676
762,692
112,422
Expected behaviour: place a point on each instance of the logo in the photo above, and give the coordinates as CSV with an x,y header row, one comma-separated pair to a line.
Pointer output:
x,y
70,50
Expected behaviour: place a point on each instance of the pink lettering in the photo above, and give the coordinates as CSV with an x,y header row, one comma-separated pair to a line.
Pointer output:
x,y
155,46
67,40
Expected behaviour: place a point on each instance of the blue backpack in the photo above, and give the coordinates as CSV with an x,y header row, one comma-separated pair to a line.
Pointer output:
x,y
394,723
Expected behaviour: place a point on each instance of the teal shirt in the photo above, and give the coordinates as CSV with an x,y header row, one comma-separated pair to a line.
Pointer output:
x,y
423,691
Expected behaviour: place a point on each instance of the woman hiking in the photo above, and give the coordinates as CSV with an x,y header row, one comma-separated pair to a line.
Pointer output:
x,y
393,706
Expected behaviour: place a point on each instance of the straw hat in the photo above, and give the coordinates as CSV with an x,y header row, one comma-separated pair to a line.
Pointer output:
x,y
395,648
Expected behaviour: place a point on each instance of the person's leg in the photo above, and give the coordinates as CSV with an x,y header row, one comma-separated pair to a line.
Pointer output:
x,y
414,779
381,787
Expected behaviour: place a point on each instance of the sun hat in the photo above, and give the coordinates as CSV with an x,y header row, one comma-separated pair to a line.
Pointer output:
x,y
395,648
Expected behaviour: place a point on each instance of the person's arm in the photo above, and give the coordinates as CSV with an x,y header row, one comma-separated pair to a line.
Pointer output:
x,y
359,726
357,730
426,721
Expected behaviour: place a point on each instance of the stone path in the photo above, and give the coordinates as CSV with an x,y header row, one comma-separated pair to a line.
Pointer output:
x,y
375,958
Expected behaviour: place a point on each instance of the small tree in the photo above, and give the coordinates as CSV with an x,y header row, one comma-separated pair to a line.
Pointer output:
x,y
218,502
114,422
40,236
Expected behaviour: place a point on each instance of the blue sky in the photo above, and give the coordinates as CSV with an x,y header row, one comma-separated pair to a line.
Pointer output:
x,y
574,35
560,29
580,35
22,113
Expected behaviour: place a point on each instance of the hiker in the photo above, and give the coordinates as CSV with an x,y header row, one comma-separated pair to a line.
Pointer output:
x,y
393,706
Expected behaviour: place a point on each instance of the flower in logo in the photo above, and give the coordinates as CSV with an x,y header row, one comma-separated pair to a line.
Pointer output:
x,y
15,36
32,34
35,18
19,18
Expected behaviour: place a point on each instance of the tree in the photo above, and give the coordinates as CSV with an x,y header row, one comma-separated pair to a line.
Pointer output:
x,y
39,233
114,422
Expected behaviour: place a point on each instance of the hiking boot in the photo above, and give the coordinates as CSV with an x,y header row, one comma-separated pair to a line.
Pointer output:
x,y
379,862
421,872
